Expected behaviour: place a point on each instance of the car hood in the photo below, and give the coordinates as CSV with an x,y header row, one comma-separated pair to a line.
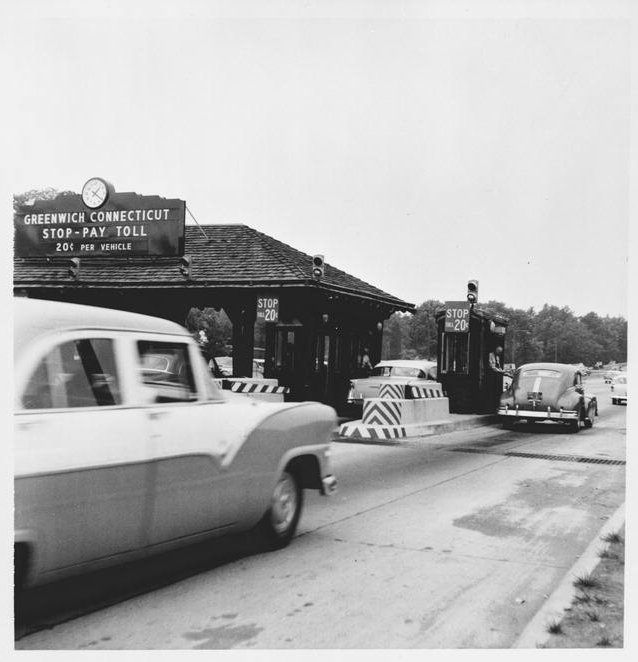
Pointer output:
x,y
256,415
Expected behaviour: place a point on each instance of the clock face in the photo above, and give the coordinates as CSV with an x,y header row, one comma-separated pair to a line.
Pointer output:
x,y
94,193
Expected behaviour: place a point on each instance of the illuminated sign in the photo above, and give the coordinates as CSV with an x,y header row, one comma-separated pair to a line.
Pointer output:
x,y
457,317
268,309
127,224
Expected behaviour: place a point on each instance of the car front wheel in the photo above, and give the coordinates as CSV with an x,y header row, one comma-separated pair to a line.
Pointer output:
x,y
280,521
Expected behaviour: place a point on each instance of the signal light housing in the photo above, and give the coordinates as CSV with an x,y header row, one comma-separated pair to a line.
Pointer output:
x,y
185,266
74,267
318,267
472,291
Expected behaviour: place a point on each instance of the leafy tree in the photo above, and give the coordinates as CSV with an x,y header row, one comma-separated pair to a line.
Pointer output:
x,y
216,326
552,334
29,197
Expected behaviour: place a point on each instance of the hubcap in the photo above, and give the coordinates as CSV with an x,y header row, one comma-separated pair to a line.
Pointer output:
x,y
284,504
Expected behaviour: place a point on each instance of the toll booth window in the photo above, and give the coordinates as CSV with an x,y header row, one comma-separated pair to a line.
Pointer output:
x,y
455,357
77,373
285,349
166,368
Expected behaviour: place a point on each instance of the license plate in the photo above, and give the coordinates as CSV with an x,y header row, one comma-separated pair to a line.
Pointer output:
x,y
534,395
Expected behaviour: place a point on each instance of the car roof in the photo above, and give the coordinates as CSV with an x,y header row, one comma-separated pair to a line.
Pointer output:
x,y
405,363
35,317
560,367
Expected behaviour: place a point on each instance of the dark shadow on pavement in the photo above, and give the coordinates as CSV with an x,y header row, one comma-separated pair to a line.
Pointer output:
x,y
44,607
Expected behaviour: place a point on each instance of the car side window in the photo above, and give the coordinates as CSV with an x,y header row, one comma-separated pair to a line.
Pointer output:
x,y
166,368
77,373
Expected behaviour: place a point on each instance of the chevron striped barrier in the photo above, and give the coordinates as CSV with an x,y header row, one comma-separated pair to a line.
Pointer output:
x,y
238,386
377,432
418,392
403,391
379,411
392,391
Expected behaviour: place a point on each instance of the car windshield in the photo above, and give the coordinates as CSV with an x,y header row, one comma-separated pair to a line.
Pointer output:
x,y
397,371
541,372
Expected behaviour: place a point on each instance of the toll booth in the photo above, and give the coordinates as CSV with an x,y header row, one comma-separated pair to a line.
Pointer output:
x,y
466,335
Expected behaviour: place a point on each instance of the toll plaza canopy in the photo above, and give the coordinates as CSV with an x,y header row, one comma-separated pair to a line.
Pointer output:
x,y
317,331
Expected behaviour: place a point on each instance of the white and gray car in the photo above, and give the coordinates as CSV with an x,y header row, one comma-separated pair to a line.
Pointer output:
x,y
413,372
619,389
125,446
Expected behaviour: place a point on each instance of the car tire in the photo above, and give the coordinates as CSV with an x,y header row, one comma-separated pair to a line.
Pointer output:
x,y
574,426
591,414
20,564
279,524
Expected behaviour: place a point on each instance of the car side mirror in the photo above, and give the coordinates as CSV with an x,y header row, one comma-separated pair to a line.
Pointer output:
x,y
579,389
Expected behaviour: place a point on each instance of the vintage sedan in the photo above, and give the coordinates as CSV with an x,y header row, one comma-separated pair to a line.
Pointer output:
x,y
548,392
619,390
124,445
413,372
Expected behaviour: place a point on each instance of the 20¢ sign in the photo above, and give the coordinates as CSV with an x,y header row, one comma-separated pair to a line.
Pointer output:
x,y
457,316
268,309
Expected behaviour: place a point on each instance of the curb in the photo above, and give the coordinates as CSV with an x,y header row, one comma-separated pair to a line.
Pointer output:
x,y
535,633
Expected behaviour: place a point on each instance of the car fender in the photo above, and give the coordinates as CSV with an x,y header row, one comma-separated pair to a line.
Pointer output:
x,y
301,429
570,399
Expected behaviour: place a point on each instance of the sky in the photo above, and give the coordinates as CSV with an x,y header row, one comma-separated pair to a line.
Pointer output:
x,y
415,145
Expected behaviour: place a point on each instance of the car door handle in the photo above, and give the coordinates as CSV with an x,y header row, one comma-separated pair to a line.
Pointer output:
x,y
156,415
28,425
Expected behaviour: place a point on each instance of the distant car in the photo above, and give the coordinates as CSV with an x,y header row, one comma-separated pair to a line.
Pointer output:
x,y
584,370
124,445
609,375
548,392
222,366
414,372
619,390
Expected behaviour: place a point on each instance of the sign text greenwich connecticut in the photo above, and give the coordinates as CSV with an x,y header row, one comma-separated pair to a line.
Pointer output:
x,y
126,224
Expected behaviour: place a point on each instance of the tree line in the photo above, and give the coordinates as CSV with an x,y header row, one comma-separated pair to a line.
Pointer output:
x,y
550,334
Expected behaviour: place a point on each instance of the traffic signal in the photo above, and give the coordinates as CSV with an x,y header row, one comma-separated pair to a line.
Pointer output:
x,y
185,266
74,267
472,291
318,267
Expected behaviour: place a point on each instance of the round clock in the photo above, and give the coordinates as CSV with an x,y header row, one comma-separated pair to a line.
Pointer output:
x,y
95,192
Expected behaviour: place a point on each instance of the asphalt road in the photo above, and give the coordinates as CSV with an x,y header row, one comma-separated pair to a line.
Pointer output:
x,y
445,542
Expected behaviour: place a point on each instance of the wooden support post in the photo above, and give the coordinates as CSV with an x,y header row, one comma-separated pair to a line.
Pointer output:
x,y
243,314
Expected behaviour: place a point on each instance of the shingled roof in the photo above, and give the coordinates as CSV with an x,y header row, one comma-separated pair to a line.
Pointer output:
x,y
222,256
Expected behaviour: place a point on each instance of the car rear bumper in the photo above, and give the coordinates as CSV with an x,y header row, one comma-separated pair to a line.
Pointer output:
x,y
564,415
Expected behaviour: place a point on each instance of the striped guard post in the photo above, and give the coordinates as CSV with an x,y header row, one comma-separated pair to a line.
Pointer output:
x,y
392,391
415,392
381,412
252,387
380,433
